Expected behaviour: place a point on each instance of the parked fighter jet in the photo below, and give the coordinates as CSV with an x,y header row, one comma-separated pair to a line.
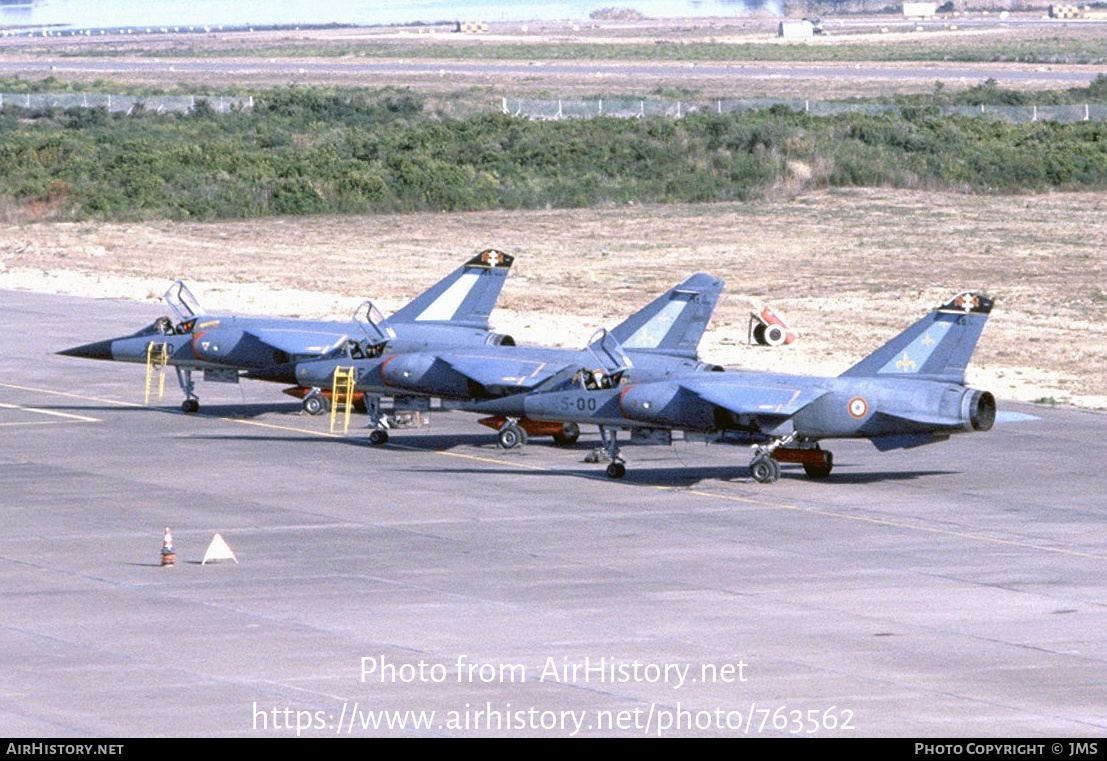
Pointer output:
x,y
907,393
660,340
454,312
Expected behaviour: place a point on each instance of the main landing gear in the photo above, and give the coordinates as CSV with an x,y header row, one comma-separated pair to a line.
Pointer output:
x,y
765,463
514,432
316,403
569,434
511,435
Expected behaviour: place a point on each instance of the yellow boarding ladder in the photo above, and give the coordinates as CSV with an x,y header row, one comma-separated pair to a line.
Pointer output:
x,y
157,357
342,397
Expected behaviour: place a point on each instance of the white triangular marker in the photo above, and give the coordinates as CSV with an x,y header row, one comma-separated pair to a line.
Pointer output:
x,y
218,550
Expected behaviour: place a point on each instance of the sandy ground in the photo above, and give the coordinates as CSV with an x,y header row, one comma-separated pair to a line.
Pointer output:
x,y
848,269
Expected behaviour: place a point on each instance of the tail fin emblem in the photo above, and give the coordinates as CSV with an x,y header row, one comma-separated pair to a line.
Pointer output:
x,y
906,364
967,302
491,257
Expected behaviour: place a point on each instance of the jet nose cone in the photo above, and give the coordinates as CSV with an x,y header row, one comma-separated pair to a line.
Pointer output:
x,y
95,350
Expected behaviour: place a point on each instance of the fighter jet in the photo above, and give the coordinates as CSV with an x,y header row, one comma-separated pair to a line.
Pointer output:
x,y
453,312
656,342
907,393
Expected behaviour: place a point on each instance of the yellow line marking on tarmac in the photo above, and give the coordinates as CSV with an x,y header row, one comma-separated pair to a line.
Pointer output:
x,y
71,396
274,426
69,417
494,461
528,466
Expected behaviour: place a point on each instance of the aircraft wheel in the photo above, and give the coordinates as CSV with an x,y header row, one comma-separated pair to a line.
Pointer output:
x,y
774,335
616,470
759,334
765,470
511,436
570,432
315,404
378,437
819,469
190,406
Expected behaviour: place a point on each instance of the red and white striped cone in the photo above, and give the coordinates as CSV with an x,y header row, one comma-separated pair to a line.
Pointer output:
x,y
168,555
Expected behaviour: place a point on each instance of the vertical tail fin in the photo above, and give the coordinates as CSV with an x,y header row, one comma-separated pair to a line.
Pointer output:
x,y
674,322
937,347
464,297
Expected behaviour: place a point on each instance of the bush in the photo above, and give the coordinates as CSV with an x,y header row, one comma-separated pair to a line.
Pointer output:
x,y
318,150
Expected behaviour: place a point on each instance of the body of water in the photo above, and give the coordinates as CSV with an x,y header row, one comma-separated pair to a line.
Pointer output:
x,y
113,13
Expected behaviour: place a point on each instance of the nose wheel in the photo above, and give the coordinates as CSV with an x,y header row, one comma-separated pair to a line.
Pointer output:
x,y
191,404
377,421
610,445
616,470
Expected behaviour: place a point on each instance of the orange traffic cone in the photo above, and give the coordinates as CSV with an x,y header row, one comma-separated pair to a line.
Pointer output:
x,y
168,556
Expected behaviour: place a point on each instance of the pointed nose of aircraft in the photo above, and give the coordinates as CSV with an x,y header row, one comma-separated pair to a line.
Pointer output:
x,y
94,350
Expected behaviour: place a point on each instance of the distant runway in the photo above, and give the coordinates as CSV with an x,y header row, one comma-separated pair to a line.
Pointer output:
x,y
627,73
438,586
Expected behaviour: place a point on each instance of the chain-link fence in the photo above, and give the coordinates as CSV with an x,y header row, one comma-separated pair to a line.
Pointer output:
x,y
569,109
125,103
582,109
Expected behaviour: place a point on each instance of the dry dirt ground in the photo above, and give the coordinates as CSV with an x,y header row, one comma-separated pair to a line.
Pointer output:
x,y
848,269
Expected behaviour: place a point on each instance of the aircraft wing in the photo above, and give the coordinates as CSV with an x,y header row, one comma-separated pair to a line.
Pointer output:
x,y
491,371
767,399
299,342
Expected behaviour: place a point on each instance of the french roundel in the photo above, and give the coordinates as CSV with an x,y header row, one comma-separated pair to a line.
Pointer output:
x,y
858,407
